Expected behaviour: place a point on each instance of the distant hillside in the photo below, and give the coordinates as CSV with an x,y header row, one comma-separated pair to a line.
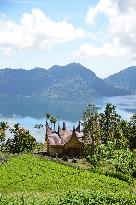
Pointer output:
x,y
72,80
125,79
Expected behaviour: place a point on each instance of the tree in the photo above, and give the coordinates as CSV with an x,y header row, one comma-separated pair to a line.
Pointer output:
x,y
3,125
109,121
121,134
3,128
91,129
38,126
16,127
22,140
2,137
53,121
132,132
48,115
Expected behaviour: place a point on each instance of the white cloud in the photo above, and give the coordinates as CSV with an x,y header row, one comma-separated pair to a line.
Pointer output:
x,y
35,30
121,18
107,49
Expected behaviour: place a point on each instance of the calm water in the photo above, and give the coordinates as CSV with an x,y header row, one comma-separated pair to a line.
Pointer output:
x,y
31,111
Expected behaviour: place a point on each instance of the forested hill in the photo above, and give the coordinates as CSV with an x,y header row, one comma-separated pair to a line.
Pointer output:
x,y
72,80
125,79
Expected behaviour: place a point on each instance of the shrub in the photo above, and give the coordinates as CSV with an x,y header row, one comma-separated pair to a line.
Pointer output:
x,y
21,142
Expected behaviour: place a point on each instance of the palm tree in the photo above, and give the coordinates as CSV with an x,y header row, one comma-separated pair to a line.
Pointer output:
x,y
48,115
3,125
53,121
38,126
16,126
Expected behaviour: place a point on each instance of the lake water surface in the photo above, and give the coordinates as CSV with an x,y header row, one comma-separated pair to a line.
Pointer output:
x,y
28,111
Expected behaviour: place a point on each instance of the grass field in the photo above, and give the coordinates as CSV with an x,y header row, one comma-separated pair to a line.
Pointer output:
x,y
27,179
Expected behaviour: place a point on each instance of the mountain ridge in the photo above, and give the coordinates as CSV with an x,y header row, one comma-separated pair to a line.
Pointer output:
x,y
125,79
72,80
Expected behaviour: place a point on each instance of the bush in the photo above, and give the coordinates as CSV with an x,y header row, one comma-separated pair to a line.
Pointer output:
x,y
124,161
93,159
81,197
21,142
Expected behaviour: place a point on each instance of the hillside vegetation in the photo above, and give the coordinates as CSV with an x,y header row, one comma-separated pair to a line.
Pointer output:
x,y
32,180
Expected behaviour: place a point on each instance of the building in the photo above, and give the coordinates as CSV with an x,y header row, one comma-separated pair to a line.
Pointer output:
x,y
64,142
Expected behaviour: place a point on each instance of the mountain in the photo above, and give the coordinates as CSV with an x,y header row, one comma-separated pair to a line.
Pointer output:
x,y
125,79
72,80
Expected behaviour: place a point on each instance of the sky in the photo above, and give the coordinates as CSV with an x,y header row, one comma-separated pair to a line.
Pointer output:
x,y
99,34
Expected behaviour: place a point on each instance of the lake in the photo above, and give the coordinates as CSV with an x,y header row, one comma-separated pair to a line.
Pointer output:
x,y
30,111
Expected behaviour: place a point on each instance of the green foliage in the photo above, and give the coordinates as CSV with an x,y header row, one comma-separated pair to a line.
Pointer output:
x,y
132,132
2,135
53,121
119,163
28,173
3,125
51,118
108,149
90,198
38,126
21,142
93,159
91,129
81,197
124,161
109,121
48,115
31,180
113,140
3,128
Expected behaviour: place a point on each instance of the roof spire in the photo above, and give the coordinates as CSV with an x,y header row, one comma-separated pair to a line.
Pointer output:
x,y
58,129
64,126
74,129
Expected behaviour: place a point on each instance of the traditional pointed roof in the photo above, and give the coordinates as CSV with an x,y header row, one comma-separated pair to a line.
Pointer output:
x,y
54,139
75,134
61,137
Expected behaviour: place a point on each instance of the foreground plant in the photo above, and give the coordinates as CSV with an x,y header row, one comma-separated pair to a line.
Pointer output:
x,y
22,140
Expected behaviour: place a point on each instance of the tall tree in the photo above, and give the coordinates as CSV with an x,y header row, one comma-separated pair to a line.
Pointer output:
x,y
48,115
109,121
3,125
53,121
91,129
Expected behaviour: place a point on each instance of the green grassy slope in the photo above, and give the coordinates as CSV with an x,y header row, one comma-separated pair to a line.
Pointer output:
x,y
42,178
